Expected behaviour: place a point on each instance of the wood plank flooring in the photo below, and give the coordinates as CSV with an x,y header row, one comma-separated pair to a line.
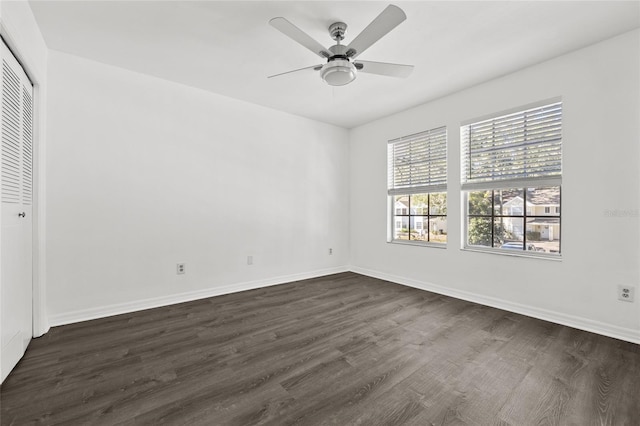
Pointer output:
x,y
338,350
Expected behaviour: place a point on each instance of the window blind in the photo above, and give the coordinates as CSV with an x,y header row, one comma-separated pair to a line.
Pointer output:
x,y
512,149
418,163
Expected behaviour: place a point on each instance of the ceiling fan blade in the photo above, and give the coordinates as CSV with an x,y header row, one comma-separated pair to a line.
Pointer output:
x,y
313,67
390,18
296,34
384,68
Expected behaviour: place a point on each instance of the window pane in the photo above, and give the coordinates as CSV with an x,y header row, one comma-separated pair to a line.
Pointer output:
x,y
509,229
412,221
401,204
401,231
543,199
543,233
438,229
420,204
479,231
479,203
419,228
520,221
509,202
438,203
499,232
513,245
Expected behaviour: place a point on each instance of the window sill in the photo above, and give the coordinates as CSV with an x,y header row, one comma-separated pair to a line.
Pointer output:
x,y
418,244
515,253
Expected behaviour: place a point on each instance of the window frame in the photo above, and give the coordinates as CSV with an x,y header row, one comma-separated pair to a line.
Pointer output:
x,y
524,216
428,216
427,184
468,186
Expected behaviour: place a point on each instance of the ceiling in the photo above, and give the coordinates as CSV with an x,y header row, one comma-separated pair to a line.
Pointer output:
x,y
228,47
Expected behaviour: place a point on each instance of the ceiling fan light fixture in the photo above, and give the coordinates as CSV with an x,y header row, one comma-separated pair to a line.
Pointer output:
x,y
338,72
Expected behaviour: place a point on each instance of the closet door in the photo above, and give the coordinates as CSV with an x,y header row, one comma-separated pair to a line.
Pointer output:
x,y
16,160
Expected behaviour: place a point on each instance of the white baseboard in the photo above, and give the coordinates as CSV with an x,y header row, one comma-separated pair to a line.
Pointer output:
x,y
622,333
155,302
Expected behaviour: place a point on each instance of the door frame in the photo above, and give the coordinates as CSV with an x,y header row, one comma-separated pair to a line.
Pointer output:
x,y
38,76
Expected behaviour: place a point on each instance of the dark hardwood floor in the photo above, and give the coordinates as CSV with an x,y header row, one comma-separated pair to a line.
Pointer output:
x,y
338,350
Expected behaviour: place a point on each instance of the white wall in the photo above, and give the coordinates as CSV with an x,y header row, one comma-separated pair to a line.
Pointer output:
x,y
144,173
20,31
600,88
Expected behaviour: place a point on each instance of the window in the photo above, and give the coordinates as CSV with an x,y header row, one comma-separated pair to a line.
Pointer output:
x,y
417,187
492,220
512,169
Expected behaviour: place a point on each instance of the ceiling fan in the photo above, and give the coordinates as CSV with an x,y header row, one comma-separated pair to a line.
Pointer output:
x,y
341,67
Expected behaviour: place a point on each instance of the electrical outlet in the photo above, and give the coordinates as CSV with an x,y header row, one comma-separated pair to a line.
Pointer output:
x,y
249,260
626,293
181,268
330,251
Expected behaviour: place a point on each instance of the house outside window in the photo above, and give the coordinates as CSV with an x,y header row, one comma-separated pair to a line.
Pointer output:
x,y
417,187
512,170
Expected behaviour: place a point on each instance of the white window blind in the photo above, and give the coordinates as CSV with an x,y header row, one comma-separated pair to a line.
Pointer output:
x,y
511,149
418,163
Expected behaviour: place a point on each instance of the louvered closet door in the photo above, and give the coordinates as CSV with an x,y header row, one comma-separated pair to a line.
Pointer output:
x,y
16,214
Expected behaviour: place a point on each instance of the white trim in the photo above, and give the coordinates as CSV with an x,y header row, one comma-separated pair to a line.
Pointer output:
x,y
39,293
156,302
515,253
418,243
622,333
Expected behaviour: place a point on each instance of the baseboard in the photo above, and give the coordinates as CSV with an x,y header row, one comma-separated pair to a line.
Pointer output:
x,y
156,302
622,333
586,324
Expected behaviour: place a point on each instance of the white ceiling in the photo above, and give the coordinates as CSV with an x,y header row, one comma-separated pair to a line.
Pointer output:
x,y
229,48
